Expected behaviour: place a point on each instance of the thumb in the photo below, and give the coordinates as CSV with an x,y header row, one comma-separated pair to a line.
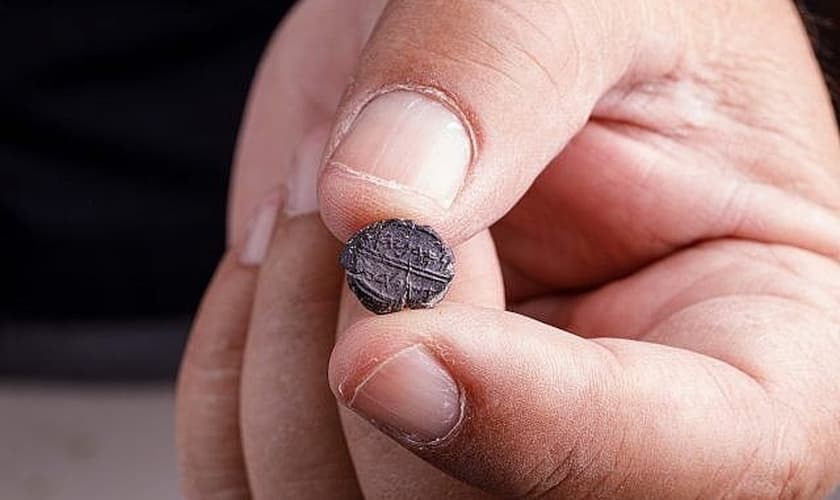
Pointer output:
x,y
456,107
521,409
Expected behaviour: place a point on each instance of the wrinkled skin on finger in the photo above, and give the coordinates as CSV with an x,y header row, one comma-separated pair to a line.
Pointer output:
x,y
695,207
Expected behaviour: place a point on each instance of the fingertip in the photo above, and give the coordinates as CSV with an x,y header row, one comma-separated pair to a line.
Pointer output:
x,y
350,200
466,388
362,343
478,276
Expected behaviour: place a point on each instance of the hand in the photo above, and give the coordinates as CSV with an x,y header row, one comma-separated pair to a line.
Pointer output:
x,y
662,184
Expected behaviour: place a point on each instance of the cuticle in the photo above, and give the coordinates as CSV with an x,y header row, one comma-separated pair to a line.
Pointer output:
x,y
402,436
364,380
345,170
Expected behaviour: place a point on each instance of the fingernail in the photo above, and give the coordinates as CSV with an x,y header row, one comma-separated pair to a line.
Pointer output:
x,y
410,140
303,179
260,230
298,196
412,396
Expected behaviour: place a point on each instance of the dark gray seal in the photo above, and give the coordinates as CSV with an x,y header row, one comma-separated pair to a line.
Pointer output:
x,y
394,264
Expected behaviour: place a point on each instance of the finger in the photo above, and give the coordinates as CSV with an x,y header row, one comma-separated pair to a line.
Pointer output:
x,y
456,107
293,442
207,416
521,409
608,205
376,457
297,87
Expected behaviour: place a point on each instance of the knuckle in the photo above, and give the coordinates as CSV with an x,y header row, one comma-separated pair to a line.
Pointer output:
x,y
791,468
577,472
789,477
588,462
554,471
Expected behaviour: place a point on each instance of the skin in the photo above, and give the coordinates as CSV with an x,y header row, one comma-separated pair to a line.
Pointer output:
x,y
648,292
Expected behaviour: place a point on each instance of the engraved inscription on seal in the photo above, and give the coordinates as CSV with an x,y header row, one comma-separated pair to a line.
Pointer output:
x,y
394,264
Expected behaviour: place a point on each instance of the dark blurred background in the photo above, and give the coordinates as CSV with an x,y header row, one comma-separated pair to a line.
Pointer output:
x,y
118,122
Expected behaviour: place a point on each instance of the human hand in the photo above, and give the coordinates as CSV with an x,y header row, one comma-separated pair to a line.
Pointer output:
x,y
695,369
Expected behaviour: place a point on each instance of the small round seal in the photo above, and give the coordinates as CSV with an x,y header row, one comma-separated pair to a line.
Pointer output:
x,y
394,264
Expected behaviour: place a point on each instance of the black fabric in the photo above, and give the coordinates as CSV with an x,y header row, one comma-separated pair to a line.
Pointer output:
x,y
93,350
822,18
117,127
